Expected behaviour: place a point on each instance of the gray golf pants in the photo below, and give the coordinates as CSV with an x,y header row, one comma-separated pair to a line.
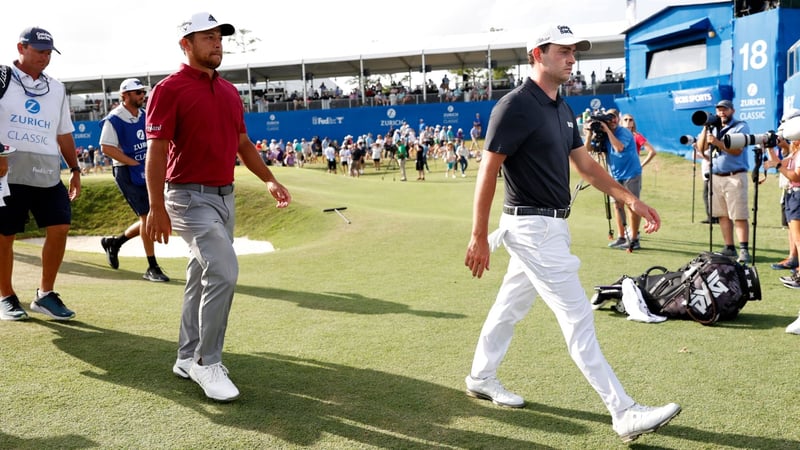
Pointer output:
x,y
205,221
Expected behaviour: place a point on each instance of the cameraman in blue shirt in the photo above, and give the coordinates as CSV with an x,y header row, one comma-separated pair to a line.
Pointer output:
x,y
619,149
728,179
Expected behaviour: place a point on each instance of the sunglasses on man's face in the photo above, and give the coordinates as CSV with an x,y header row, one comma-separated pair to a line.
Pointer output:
x,y
139,92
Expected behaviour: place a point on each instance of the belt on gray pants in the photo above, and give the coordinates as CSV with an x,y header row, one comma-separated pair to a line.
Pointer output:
x,y
534,211
201,188
727,174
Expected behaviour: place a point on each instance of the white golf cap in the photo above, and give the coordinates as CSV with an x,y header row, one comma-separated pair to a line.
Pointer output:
x,y
790,113
132,84
204,21
560,35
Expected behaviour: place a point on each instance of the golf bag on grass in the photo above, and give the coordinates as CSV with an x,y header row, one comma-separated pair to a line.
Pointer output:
x,y
709,288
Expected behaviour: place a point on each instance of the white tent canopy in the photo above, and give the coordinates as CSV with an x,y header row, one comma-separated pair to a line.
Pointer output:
x,y
453,52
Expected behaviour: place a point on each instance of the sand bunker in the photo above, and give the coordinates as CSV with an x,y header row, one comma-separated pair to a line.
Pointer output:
x,y
176,248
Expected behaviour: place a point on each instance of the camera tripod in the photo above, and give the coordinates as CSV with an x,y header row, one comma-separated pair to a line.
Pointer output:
x,y
711,154
758,155
600,158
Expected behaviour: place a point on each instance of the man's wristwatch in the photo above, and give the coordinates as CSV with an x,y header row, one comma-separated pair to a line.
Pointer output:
x,y
75,169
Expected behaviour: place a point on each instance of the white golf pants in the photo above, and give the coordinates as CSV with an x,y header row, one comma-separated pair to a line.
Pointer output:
x,y
541,263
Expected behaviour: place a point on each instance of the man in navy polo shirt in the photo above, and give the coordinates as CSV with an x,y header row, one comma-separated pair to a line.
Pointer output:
x,y
532,133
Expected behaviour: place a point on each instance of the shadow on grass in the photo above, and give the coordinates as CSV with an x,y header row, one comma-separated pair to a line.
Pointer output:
x,y
62,442
88,270
347,302
300,401
745,320
704,439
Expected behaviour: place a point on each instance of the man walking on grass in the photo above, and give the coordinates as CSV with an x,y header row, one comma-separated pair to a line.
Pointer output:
x,y
533,135
122,138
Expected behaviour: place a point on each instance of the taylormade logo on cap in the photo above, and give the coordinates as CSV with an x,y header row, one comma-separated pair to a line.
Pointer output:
x,y
560,35
204,21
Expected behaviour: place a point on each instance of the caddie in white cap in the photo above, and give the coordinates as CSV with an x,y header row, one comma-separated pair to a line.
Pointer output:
x,y
132,84
122,138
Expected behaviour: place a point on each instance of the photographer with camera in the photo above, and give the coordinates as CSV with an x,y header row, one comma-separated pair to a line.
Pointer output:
x,y
789,170
619,148
728,178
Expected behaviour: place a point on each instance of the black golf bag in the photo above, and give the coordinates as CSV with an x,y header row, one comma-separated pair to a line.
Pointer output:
x,y
709,288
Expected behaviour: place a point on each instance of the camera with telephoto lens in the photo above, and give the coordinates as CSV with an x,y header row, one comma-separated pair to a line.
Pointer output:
x,y
704,119
788,129
598,134
740,140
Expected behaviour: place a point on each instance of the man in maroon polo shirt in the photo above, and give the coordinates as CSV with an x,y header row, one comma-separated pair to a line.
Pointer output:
x,y
195,129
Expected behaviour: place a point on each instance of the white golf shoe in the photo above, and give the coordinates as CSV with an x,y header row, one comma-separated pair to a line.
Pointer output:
x,y
214,381
491,389
639,419
794,327
182,367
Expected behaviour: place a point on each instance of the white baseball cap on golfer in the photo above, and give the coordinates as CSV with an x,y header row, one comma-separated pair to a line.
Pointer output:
x,y
560,35
132,84
204,21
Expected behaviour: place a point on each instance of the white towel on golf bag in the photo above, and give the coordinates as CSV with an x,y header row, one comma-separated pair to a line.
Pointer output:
x,y
634,304
496,239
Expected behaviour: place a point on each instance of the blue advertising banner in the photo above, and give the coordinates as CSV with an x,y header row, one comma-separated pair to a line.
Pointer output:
x,y
756,52
336,123
86,133
339,122
693,98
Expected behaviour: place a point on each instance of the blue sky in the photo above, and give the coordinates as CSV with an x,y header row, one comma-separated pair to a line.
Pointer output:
x,y
113,38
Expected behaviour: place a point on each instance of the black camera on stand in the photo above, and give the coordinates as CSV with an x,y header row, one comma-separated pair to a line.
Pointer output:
x,y
598,134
